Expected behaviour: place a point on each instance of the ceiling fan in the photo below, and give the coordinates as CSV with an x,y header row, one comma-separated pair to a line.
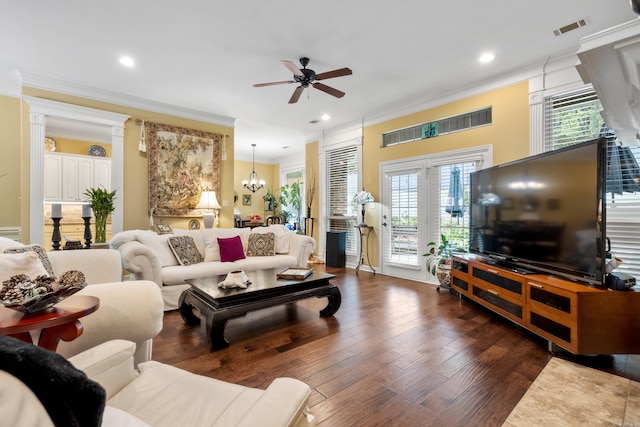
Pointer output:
x,y
306,76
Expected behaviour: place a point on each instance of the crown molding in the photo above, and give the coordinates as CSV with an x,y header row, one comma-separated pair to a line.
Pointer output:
x,y
84,91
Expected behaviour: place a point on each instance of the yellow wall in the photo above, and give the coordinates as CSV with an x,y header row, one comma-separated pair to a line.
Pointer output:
x,y
74,146
508,133
271,175
10,161
135,191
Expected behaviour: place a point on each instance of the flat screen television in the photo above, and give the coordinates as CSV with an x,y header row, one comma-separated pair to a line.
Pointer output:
x,y
544,213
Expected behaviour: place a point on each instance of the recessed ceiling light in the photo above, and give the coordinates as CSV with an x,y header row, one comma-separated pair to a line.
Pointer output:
x,y
325,117
486,57
127,61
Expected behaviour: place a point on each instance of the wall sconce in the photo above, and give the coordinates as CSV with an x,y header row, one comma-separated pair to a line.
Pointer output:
x,y
208,201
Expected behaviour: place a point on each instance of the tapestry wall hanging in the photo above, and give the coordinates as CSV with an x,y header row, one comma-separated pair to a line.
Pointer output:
x,y
182,163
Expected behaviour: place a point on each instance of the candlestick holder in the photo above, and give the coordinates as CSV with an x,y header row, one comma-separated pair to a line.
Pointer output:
x,y
55,236
87,232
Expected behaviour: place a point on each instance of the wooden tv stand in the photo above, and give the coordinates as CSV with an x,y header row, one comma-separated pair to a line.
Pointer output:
x,y
579,318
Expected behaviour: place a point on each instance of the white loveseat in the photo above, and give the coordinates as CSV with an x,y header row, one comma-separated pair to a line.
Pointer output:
x,y
130,310
147,255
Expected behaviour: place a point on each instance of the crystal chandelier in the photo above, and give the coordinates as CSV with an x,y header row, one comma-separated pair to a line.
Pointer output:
x,y
253,183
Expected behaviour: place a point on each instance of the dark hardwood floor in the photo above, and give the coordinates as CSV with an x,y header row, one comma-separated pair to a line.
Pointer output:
x,y
397,353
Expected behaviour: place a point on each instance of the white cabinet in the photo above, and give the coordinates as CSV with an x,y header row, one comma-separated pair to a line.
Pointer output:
x,y
68,176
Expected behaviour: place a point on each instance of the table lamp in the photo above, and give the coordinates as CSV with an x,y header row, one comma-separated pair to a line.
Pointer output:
x,y
208,201
363,198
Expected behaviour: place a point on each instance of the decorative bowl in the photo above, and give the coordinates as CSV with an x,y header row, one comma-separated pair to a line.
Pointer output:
x,y
27,295
44,301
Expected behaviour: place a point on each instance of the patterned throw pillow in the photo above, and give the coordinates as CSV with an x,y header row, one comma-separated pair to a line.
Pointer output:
x,y
185,250
262,244
39,250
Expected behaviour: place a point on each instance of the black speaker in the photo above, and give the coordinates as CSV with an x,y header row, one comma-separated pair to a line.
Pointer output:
x,y
336,248
635,5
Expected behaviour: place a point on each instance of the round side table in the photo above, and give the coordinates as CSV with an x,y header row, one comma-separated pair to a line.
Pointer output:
x,y
59,322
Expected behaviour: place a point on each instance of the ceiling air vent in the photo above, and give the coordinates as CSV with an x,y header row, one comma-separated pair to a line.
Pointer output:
x,y
570,27
313,122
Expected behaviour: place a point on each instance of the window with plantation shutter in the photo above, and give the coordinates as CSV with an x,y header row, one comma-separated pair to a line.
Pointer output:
x,y
341,183
574,117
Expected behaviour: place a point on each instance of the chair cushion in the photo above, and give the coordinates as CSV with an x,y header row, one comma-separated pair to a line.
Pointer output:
x,y
231,249
166,396
261,244
22,263
185,250
42,254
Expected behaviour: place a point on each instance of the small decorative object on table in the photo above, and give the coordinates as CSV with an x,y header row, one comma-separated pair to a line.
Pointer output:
x,y
23,294
235,279
98,151
164,229
295,273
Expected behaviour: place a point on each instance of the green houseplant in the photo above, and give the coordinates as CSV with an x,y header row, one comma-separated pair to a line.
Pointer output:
x,y
439,259
101,202
271,200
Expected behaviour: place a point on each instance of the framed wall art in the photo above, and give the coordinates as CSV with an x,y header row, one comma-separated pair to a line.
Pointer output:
x,y
246,199
182,163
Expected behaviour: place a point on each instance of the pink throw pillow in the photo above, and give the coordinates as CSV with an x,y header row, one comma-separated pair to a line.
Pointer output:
x,y
231,249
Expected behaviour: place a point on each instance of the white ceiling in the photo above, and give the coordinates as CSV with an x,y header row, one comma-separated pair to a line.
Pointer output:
x,y
205,55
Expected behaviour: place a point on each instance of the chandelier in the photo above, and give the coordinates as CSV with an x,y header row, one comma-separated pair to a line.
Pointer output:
x,y
253,183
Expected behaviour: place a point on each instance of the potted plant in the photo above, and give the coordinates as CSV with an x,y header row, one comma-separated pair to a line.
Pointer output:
x,y
101,202
271,200
439,260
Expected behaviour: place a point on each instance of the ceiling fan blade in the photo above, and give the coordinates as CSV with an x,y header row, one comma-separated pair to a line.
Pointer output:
x,y
296,95
335,73
292,67
328,89
273,83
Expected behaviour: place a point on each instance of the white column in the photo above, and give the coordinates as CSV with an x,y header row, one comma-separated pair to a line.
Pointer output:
x,y
36,180
117,177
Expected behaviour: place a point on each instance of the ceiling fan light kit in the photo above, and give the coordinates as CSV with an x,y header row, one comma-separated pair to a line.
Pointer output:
x,y
306,77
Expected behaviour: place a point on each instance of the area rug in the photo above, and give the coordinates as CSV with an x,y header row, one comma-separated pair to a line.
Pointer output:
x,y
567,394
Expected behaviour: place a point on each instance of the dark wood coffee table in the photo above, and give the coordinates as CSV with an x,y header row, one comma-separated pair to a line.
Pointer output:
x,y
219,305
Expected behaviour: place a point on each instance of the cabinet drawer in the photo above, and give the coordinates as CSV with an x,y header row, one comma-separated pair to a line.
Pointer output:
x,y
460,266
499,280
551,327
460,283
497,301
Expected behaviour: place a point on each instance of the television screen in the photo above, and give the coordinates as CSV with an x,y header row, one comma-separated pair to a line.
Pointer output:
x,y
544,212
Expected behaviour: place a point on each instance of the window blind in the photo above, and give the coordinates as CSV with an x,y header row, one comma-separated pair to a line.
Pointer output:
x,y
574,117
341,182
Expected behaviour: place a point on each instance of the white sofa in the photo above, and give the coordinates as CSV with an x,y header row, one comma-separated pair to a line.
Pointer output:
x,y
130,310
160,395
147,255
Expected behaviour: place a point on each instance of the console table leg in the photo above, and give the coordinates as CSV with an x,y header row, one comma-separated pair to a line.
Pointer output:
x,y
334,300
216,323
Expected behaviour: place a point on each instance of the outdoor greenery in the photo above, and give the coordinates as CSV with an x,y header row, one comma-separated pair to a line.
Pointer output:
x,y
101,202
291,202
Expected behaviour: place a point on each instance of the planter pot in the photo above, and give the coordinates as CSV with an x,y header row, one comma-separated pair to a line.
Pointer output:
x,y
443,274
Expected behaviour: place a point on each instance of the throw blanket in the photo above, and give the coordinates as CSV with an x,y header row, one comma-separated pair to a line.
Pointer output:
x,y
70,398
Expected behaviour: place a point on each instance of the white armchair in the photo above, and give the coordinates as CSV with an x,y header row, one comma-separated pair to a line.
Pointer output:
x,y
162,395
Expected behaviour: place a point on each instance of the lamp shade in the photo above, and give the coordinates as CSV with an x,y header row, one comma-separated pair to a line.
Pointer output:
x,y
208,200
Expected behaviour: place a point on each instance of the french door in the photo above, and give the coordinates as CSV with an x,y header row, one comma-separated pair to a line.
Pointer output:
x,y
404,217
